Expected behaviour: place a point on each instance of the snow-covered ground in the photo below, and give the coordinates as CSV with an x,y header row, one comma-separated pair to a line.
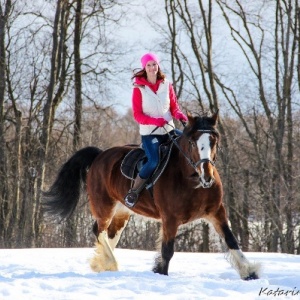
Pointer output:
x,y
64,274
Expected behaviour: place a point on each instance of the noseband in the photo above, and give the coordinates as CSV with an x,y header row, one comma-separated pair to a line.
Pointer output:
x,y
204,160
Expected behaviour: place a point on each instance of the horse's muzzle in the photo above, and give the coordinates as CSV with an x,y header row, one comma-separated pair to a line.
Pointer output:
x,y
206,184
206,177
205,174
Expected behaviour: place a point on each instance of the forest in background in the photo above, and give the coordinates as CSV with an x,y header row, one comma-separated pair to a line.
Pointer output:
x,y
60,75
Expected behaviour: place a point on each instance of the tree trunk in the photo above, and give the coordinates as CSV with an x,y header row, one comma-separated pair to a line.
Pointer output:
x,y
4,191
71,228
77,66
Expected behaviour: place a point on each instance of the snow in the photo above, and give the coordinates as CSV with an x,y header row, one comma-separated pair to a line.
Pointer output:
x,y
64,274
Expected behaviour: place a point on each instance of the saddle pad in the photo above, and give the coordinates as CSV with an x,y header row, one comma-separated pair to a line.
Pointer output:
x,y
129,166
134,160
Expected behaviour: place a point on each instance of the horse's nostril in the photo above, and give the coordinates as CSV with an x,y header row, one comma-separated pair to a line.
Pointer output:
x,y
208,178
207,182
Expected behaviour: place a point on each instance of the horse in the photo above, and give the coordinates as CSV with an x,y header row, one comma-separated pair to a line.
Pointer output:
x,y
190,188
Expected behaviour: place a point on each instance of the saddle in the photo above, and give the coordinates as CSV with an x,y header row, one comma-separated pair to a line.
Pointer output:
x,y
136,158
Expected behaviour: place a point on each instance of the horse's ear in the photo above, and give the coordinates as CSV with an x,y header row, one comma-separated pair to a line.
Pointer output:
x,y
215,116
190,118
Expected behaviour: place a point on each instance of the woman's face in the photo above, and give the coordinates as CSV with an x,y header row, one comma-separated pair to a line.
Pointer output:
x,y
151,68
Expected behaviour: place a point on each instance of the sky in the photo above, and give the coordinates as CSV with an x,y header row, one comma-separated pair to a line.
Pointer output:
x,y
137,34
64,274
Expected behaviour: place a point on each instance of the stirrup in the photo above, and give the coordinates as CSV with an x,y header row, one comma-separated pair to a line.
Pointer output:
x,y
131,198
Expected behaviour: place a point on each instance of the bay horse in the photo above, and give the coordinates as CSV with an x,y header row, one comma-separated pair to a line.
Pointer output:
x,y
189,188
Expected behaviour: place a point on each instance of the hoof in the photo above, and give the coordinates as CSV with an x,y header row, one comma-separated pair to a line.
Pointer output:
x,y
252,276
160,267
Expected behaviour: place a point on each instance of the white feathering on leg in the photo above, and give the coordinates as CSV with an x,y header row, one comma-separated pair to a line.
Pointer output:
x,y
104,259
239,262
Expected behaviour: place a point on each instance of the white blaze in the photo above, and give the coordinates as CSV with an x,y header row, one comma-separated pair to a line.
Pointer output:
x,y
203,144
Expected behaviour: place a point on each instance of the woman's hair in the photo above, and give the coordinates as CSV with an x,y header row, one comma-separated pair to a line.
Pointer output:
x,y
142,73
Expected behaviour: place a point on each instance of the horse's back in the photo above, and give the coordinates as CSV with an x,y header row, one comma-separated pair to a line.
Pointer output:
x,y
105,173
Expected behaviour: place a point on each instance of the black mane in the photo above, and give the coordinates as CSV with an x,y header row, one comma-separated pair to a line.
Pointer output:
x,y
203,122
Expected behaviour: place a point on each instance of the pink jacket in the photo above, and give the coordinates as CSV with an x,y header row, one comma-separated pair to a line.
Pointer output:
x,y
137,108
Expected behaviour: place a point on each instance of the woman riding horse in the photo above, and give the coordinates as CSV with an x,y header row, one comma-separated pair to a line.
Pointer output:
x,y
154,104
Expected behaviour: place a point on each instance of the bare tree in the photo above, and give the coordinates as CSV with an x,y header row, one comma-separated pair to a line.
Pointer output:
x,y
278,114
264,152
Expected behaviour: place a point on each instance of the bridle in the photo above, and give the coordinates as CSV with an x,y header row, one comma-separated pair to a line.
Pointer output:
x,y
192,144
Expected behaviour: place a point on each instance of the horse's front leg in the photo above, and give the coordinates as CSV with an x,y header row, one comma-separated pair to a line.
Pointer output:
x,y
162,261
236,257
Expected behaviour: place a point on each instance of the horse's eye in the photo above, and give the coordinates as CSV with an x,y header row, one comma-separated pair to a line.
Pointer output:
x,y
192,143
202,148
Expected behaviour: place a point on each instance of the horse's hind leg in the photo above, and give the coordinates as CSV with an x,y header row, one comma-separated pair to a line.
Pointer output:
x,y
107,239
104,259
117,225
237,259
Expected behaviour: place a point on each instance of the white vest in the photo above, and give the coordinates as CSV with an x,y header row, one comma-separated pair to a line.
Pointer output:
x,y
157,106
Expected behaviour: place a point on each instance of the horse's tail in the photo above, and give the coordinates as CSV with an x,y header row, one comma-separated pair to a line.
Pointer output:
x,y
63,196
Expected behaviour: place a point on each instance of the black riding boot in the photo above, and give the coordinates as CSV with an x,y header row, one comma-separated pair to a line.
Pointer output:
x,y
132,196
